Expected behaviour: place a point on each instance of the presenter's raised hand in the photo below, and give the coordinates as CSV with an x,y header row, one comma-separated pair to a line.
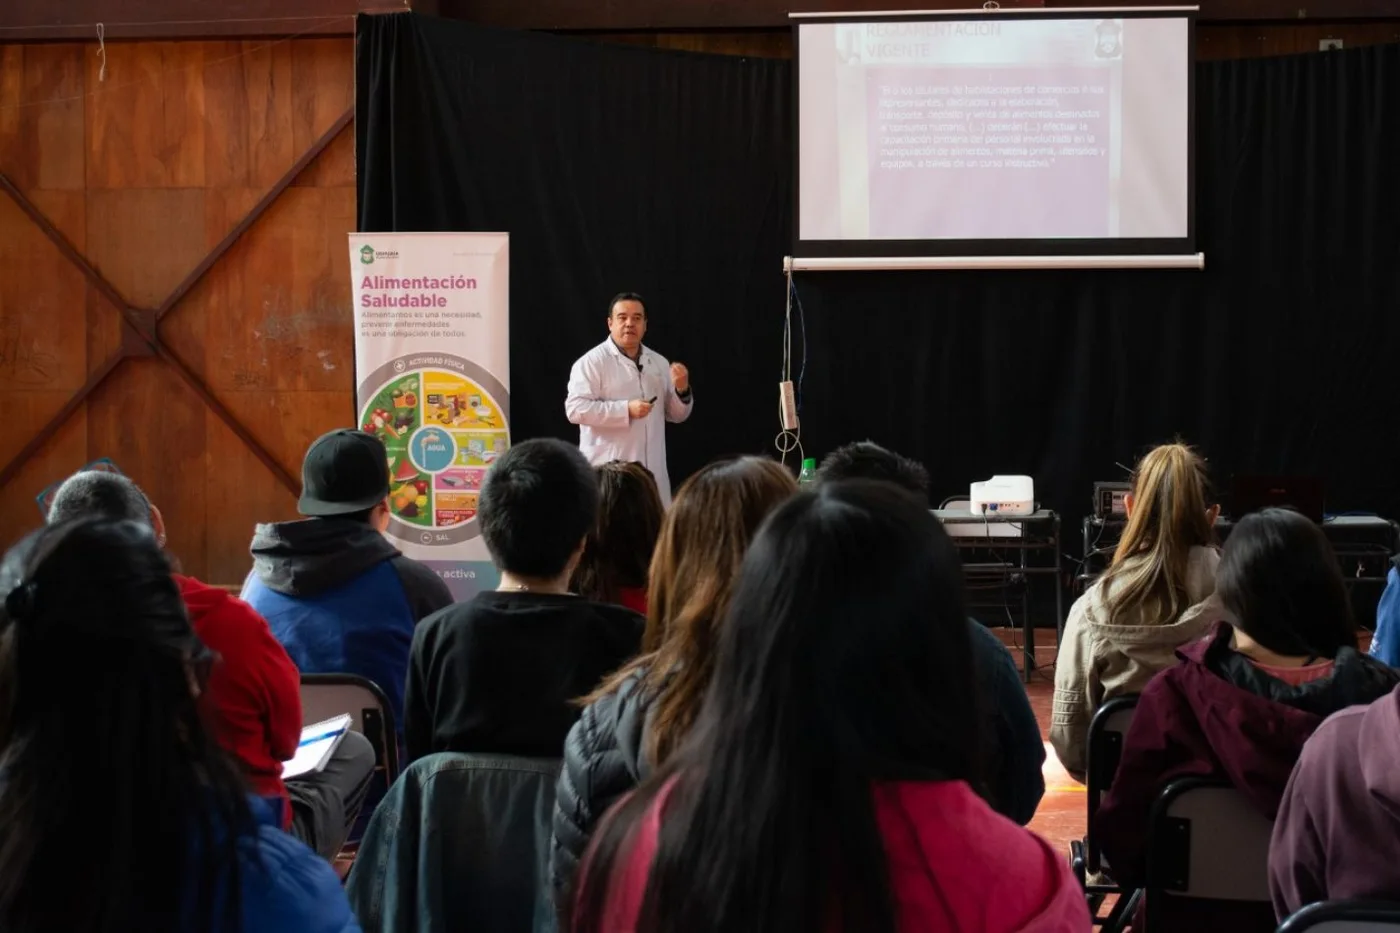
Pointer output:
x,y
638,408
680,377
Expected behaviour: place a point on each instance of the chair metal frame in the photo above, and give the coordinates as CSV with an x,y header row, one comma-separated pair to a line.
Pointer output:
x,y
375,724
1351,916
1105,751
1168,866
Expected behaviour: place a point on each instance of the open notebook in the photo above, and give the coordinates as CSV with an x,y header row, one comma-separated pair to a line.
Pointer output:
x,y
318,743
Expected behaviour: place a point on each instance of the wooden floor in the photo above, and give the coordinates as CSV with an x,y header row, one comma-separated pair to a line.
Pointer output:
x,y
1061,814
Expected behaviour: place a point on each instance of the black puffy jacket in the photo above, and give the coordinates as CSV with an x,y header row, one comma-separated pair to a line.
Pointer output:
x,y
603,761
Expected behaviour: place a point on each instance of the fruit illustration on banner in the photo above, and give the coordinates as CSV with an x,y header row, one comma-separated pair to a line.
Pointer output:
x,y
442,430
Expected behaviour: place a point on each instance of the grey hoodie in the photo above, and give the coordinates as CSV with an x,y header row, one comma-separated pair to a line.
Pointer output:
x,y
1099,661
306,558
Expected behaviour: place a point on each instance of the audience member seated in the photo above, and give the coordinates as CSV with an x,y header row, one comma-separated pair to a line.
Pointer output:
x,y
498,674
1015,752
337,594
617,555
637,719
1128,625
1337,833
1243,701
253,698
828,781
120,811
1385,643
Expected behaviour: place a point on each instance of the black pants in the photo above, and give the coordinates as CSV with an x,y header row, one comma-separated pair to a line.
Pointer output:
x,y
326,803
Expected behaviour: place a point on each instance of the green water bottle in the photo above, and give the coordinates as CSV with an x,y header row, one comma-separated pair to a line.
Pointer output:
x,y
809,472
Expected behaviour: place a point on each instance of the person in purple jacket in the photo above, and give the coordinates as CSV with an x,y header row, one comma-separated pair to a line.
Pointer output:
x,y
1337,834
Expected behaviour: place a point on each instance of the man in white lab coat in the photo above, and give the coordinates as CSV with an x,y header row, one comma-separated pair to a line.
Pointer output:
x,y
621,394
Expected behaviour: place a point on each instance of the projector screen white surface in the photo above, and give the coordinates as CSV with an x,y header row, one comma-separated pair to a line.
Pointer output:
x,y
1070,129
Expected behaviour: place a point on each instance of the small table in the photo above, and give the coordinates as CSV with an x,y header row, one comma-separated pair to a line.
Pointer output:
x,y
1037,533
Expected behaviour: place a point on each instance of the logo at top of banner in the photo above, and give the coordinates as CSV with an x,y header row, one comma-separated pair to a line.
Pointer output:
x,y
368,254
443,421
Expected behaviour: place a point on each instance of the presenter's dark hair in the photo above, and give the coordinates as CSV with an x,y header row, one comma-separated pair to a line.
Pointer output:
x,y
626,296
1279,579
868,460
109,773
845,660
538,502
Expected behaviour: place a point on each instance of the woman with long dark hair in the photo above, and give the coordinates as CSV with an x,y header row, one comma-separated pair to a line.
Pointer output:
x,y
617,553
1281,657
633,722
108,778
828,782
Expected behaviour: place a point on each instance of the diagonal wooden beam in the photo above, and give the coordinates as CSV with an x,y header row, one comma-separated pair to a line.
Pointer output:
x,y
255,446
94,379
95,278
135,321
273,193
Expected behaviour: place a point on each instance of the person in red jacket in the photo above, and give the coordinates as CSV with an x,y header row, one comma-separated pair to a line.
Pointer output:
x,y
253,698
832,778
1239,706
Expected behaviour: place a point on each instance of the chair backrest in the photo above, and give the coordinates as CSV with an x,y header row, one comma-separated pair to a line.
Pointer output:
x,y
1206,840
1106,731
1345,917
461,842
324,696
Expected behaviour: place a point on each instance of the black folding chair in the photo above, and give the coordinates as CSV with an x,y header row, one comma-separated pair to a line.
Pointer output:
x,y
325,696
1106,732
1205,841
1356,916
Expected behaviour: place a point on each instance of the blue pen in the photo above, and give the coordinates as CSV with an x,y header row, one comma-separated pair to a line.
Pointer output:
x,y
317,738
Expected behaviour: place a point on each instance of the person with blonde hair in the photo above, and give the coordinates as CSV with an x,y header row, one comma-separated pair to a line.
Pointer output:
x,y
640,715
1128,625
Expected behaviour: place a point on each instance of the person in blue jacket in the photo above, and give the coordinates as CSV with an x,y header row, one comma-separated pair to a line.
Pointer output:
x,y
338,596
1015,750
1385,643
120,811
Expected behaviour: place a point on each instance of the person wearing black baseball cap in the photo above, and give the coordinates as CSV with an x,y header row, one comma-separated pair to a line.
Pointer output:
x,y
338,595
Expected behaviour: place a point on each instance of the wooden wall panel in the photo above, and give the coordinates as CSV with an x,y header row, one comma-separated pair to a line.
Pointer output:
x,y
145,240
145,172
43,356
248,115
153,427
145,121
41,114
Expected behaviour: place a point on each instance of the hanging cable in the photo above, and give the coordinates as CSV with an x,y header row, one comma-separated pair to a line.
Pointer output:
x,y
789,440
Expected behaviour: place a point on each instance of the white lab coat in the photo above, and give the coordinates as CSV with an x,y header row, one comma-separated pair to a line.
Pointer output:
x,y
601,384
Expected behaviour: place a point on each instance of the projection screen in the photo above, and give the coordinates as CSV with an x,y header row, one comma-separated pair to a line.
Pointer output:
x,y
995,133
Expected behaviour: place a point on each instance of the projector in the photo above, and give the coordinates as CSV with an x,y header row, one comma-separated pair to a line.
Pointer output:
x,y
1003,495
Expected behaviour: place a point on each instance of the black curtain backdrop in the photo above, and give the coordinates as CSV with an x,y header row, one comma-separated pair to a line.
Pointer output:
x,y
613,169
670,173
